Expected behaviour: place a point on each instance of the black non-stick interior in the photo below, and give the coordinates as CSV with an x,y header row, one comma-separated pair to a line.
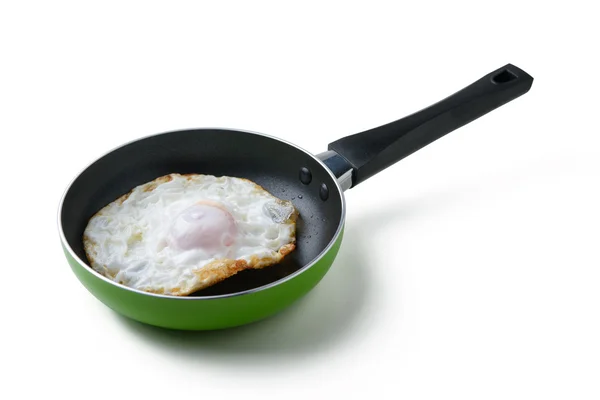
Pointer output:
x,y
270,163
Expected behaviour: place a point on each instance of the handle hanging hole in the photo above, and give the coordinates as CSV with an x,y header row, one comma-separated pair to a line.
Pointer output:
x,y
503,76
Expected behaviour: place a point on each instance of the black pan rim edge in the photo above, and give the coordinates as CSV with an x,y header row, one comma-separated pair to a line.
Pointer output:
x,y
334,239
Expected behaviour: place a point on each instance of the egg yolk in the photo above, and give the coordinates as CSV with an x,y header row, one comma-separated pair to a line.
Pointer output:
x,y
204,225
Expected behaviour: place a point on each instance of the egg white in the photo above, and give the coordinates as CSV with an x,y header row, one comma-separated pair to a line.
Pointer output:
x,y
128,240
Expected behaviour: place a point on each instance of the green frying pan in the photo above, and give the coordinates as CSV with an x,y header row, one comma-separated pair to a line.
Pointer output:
x,y
320,179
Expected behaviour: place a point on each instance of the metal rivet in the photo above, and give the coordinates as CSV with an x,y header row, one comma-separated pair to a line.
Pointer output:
x,y
324,192
305,175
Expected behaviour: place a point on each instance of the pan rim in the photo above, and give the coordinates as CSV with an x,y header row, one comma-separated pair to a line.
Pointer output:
x,y
268,286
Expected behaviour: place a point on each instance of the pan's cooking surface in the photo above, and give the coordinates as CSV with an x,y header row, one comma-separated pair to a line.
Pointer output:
x,y
270,163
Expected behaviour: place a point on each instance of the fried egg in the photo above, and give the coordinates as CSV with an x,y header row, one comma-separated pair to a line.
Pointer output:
x,y
181,233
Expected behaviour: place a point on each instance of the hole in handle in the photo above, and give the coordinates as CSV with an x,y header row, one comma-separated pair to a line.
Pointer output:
x,y
503,77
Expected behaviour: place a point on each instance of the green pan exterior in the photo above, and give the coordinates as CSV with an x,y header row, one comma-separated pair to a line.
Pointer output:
x,y
207,313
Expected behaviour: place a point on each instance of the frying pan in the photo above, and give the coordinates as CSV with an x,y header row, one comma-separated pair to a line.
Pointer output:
x,y
315,182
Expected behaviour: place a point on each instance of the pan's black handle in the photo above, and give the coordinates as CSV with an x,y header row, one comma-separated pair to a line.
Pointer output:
x,y
376,149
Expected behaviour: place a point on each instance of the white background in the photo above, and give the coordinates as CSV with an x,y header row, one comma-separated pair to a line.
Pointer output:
x,y
470,270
